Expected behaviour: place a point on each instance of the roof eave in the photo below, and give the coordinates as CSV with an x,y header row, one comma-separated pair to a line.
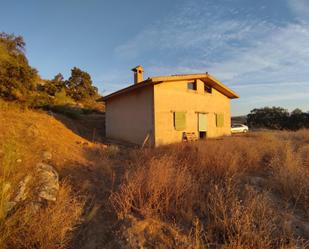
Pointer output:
x,y
157,80
228,92
127,89
217,84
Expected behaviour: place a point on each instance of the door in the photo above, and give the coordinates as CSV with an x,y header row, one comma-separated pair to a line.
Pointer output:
x,y
202,122
202,125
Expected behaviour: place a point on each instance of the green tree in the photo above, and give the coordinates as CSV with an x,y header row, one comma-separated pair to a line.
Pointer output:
x,y
79,85
268,117
17,78
54,86
297,111
298,120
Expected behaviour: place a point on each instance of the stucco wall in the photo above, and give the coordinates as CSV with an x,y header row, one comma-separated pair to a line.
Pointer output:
x,y
129,117
174,96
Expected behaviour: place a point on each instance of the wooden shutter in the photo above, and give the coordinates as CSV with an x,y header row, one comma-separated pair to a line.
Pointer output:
x,y
219,119
179,121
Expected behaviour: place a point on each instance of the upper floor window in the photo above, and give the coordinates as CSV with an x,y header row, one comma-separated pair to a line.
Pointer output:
x,y
192,86
207,89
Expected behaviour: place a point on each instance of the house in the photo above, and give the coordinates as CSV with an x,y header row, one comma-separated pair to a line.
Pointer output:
x,y
168,109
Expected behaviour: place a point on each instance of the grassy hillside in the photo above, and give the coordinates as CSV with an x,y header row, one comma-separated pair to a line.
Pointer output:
x,y
25,136
248,191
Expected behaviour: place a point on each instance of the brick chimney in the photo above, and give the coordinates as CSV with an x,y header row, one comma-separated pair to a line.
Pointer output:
x,y
138,74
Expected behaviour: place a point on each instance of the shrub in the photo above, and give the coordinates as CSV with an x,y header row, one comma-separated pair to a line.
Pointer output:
x,y
290,170
220,193
112,151
61,98
67,110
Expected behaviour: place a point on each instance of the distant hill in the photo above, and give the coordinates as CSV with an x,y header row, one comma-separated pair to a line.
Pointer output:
x,y
240,119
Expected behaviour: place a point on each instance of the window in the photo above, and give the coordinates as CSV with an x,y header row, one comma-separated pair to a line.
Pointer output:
x,y
179,121
219,119
192,86
236,125
207,89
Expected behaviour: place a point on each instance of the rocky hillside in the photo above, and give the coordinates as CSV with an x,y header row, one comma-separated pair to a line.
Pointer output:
x,y
44,164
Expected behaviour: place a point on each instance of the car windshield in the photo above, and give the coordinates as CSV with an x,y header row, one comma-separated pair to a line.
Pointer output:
x,y
236,125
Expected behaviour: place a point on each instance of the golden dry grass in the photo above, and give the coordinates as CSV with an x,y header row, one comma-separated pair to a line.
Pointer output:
x,y
24,136
50,227
36,132
233,192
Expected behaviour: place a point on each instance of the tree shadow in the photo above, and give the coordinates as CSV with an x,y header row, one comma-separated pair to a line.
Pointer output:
x,y
95,181
86,123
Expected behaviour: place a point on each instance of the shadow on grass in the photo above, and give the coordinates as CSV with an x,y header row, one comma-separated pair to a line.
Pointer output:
x,y
95,182
87,123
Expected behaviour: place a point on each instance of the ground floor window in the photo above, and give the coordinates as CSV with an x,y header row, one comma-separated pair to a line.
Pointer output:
x,y
219,119
180,121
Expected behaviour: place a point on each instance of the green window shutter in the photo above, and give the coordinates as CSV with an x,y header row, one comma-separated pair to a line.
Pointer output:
x,y
219,119
179,121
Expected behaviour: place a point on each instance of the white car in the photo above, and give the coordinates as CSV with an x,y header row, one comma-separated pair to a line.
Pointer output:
x,y
239,128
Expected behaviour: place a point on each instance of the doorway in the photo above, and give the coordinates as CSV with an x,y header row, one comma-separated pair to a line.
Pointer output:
x,y
203,134
202,125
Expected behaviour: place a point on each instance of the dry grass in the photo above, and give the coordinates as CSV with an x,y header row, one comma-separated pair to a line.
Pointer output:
x,y
234,192
42,132
49,227
27,226
227,193
24,136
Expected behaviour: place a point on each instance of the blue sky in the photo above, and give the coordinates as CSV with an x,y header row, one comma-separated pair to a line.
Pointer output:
x,y
259,48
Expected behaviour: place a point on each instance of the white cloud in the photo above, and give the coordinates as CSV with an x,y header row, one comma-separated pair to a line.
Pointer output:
x,y
282,55
201,27
300,8
236,46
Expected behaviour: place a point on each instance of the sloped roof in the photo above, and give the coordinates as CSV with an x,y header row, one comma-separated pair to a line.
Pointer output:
x,y
205,77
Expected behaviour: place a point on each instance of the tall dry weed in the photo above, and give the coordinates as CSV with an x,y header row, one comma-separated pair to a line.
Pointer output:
x,y
29,225
48,227
208,182
290,174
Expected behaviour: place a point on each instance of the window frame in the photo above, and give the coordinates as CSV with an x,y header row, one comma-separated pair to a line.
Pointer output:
x,y
194,86
207,88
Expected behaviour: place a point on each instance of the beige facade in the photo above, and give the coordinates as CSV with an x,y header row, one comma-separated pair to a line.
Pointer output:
x,y
129,117
145,112
175,97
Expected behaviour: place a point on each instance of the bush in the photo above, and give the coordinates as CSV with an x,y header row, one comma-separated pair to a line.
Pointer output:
x,y
61,98
67,110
